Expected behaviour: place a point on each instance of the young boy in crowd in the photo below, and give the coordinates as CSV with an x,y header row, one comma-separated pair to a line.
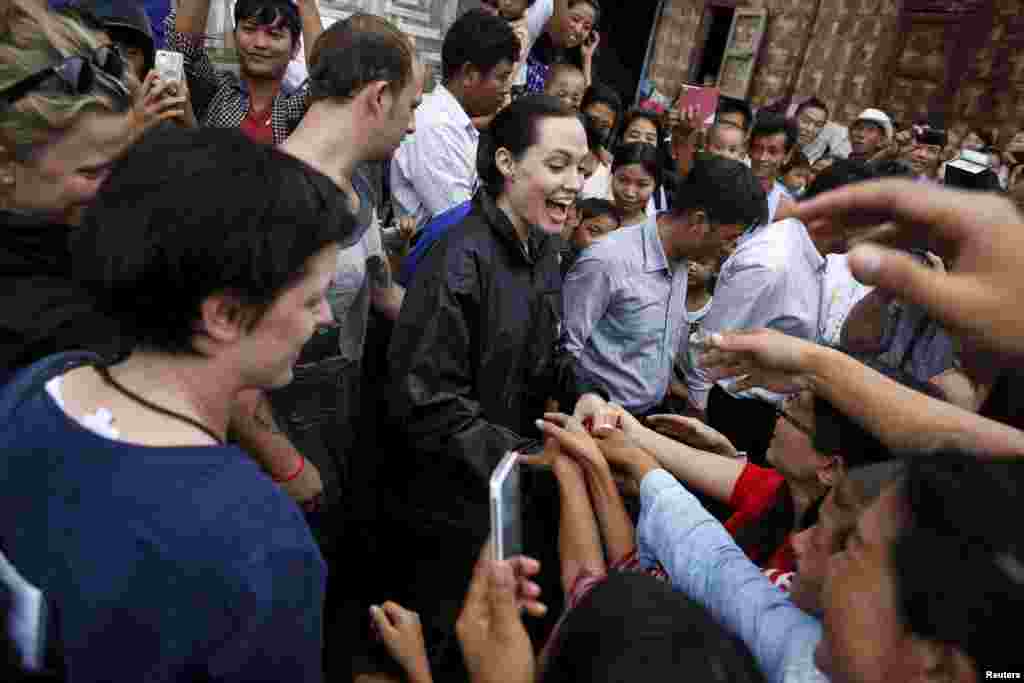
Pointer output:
x,y
796,175
727,140
597,219
567,83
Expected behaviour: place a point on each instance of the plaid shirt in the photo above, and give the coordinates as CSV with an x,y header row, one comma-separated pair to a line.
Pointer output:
x,y
220,99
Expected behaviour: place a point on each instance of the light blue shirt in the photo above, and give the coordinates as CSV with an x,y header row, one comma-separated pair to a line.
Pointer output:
x,y
625,314
775,197
776,279
704,562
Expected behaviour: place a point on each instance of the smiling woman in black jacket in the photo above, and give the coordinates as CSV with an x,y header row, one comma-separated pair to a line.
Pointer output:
x,y
475,355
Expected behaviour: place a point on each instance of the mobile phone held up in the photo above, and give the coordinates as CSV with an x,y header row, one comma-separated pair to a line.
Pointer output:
x,y
506,511
170,66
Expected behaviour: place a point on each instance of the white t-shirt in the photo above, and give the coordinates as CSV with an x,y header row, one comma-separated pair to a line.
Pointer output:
x,y
598,184
842,292
528,29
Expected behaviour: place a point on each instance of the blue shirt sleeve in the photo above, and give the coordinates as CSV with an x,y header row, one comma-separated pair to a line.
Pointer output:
x,y
704,562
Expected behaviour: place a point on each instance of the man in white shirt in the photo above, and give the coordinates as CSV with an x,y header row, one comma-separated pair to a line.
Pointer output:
x,y
435,168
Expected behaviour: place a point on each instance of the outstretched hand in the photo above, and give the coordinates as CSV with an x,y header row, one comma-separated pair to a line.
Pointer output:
x,y
760,358
571,438
981,234
402,633
693,432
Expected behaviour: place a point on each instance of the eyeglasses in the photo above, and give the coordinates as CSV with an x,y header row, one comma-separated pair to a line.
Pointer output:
x,y
78,74
780,411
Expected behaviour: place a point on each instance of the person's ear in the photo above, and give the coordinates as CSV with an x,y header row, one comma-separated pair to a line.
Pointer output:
x,y
832,471
222,319
506,164
379,99
7,174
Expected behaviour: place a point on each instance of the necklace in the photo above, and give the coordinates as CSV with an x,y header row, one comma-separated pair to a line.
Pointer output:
x,y
109,379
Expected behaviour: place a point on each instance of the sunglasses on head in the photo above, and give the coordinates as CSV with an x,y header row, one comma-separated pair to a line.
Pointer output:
x,y
79,74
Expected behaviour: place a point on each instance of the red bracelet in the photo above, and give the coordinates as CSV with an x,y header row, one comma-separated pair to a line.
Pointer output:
x,y
296,473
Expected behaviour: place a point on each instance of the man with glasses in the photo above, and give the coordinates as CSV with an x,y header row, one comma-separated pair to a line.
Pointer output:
x,y
267,36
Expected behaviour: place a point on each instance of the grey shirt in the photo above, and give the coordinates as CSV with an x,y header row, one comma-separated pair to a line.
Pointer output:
x,y
625,314
361,266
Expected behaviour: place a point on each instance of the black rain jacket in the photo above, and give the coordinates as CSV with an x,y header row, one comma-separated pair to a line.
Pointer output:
x,y
475,354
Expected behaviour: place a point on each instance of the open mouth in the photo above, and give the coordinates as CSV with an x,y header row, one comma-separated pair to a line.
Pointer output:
x,y
558,209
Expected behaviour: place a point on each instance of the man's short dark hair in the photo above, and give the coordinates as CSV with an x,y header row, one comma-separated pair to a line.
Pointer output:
x,y
768,124
726,189
477,39
731,105
270,13
157,241
813,103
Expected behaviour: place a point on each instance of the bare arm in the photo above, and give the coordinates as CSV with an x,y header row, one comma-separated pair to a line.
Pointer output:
x,y
579,541
902,418
312,25
191,16
712,474
253,425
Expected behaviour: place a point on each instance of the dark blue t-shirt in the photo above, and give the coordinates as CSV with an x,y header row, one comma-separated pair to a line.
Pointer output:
x,y
162,564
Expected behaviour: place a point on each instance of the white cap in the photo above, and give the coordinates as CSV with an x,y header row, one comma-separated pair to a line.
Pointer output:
x,y
879,117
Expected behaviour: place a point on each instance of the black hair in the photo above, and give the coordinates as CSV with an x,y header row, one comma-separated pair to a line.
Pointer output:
x,y
595,207
634,627
516,129
891,168
157,242
768,124
638,153
958,558
665,160
480,40
841,172
355,52
599,93
813,103
796,160
725,188
834,434
731,105
269,13
596,138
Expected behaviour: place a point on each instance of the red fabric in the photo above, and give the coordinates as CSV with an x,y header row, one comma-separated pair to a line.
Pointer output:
x,y
256,126
756,491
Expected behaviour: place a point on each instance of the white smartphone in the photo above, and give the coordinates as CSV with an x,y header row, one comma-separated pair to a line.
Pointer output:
x,y
170,66
506,513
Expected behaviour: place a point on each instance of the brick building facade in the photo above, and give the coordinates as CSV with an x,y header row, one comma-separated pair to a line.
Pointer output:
x,y
963,58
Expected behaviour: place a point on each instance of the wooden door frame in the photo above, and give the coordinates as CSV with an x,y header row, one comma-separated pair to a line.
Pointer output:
x,y
703,32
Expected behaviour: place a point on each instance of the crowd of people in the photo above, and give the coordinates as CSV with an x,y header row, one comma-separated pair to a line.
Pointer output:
x,y
265,339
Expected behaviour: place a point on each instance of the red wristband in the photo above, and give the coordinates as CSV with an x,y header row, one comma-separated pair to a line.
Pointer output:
x,y
296,473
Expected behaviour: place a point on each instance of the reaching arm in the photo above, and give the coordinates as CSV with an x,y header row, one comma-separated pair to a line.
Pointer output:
x,y
253,424
191,16
579,540
711,474
902,418
312,25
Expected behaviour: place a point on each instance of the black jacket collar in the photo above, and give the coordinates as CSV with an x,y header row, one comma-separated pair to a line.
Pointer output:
x,y
537,240
30,245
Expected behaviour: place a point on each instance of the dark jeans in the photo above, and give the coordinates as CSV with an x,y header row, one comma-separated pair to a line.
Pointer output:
x,y
319,410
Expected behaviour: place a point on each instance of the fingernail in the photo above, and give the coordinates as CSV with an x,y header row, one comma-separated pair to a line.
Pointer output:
x,y
716,338
539,423
867,259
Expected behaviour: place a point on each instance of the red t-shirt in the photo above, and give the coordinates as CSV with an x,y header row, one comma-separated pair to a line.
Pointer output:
x,y
756,491
256,125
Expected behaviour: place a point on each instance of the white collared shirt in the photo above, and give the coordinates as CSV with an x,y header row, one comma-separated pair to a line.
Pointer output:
x,y
833,139
435,168
775,279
